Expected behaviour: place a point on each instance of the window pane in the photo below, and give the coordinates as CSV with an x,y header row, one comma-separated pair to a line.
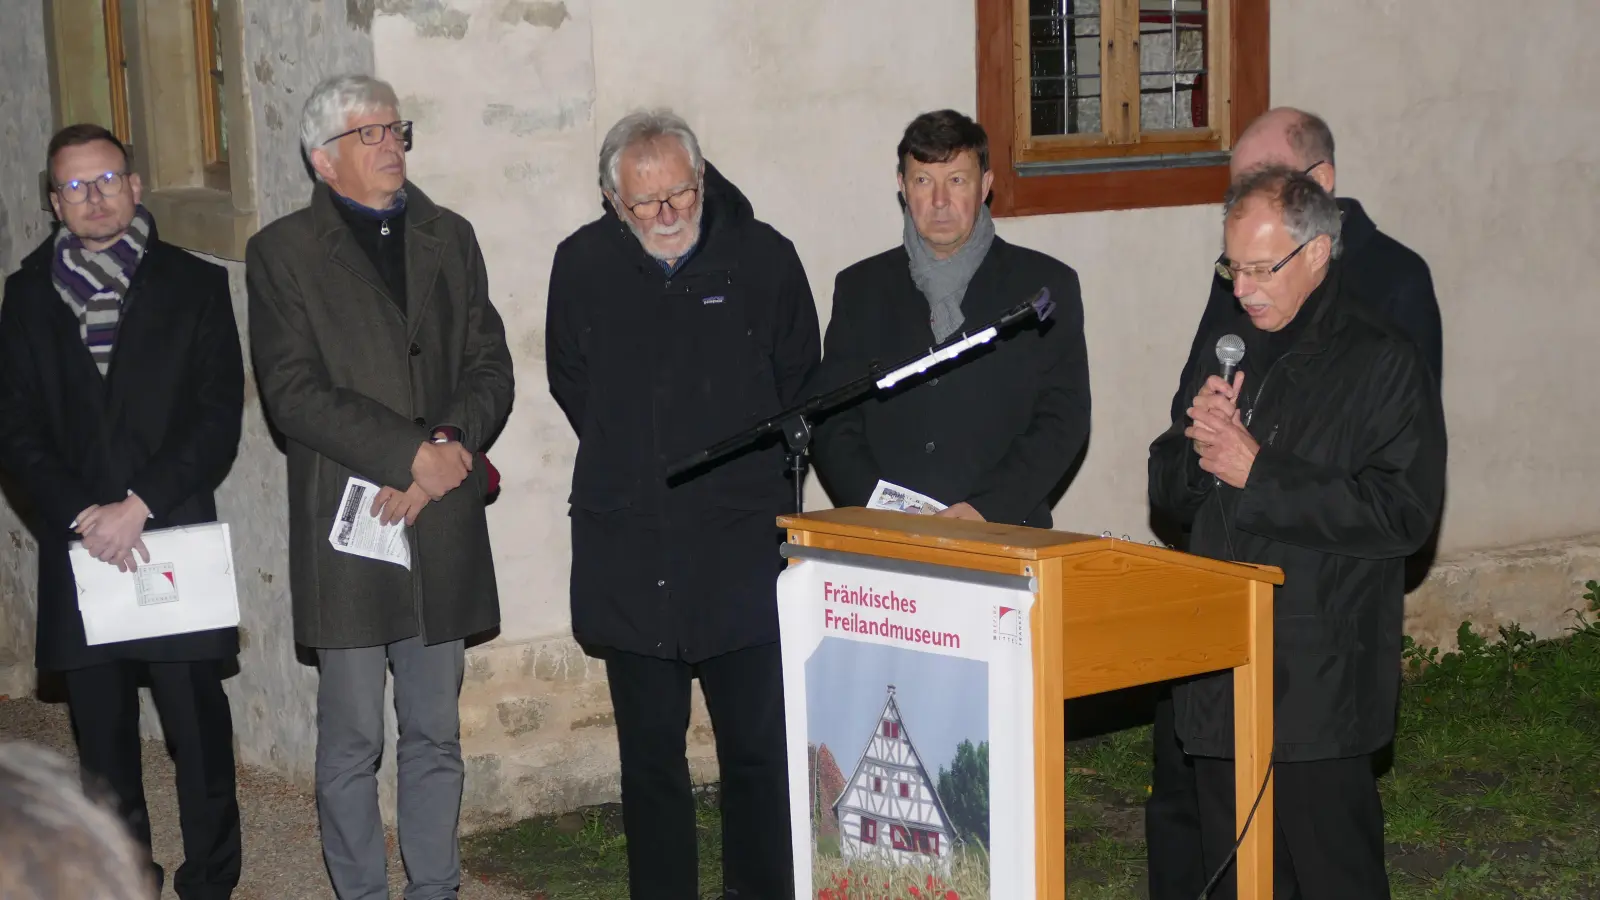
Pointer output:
x,y
1172,64
1064,63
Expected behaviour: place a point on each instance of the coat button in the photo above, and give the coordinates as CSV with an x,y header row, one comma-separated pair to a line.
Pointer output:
x,y
416,350
424,423
933,381
928,446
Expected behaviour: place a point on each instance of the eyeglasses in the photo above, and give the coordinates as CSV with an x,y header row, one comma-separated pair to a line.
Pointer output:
x,y
77,190
1257,274
680,201
373,134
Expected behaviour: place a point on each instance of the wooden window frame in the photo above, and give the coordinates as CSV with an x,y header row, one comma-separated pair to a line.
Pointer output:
x,y
117,71
211,137
1239,93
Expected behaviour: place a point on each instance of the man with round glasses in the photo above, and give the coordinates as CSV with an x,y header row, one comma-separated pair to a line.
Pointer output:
x,y
121,398
676,319
381,357
1324,456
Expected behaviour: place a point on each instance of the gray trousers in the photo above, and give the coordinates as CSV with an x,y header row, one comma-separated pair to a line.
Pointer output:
x,y
427,689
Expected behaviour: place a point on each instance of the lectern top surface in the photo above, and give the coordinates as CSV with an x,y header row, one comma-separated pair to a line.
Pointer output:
x,y
994,539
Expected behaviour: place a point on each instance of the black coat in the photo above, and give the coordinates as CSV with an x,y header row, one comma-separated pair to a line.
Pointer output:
x,y
164,423
997,428
1349,480
1379,271
649,368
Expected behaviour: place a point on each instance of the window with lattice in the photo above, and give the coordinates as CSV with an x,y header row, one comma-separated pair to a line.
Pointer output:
x,y
1115,104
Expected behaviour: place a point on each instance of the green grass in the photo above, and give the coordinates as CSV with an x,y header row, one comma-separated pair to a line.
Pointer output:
x,y
1495,792
582,855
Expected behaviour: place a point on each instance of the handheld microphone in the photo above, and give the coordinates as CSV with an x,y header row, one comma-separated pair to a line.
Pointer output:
x,y
1230,350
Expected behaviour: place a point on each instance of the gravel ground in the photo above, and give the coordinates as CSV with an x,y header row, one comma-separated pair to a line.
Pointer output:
x,y
282,858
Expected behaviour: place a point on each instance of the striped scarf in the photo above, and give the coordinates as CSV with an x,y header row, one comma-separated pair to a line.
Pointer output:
x,y
94,283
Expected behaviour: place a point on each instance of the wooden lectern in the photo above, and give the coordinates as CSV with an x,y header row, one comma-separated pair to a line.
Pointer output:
x,y
1108,614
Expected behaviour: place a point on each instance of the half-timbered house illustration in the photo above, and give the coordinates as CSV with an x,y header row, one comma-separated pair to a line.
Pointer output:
x,y
890,806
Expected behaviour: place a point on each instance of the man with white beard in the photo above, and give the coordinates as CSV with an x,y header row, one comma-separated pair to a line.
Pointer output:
x,y
676,319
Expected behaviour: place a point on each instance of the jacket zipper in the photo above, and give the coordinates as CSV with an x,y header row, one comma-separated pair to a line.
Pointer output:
x,y
1262,388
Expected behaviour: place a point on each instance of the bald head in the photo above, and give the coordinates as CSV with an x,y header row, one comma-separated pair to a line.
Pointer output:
x,y
1289,137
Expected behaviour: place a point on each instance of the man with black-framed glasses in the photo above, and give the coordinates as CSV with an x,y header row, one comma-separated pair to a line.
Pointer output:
x,y
675,319
121,399
1383,275
381,357
1324,457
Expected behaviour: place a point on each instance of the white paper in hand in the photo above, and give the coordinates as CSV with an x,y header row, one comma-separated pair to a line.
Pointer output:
x,y
187,586
358,532
888,495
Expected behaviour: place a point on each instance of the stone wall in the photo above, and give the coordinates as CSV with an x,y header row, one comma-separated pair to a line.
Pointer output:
x,y
1538,587
288,48
25,123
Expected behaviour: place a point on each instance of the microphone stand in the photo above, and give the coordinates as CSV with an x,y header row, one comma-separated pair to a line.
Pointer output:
x,y
795,423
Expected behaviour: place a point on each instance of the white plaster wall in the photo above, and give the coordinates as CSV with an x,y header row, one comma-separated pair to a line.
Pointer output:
x,y
1471,136
1467,136
802,104
502,96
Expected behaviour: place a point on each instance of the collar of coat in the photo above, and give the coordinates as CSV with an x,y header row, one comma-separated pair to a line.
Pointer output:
x,y
1357,228
1327,317
325,211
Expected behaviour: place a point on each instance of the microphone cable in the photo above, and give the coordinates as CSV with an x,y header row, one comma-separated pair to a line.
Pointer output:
x,y
1250,819
1233,556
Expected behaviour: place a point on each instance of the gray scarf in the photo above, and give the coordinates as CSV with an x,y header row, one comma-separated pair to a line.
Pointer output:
x,y
944,281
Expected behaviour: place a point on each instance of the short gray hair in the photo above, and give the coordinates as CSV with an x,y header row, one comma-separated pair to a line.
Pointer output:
x,y
335,100
1308,210
55,842
644,126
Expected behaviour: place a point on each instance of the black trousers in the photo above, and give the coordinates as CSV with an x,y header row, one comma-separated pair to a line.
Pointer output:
x,y
1329,841
744,694
104,701
1173,855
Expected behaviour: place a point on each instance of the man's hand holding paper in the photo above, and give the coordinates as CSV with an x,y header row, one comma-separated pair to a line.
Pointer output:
x,y
392,505
113,532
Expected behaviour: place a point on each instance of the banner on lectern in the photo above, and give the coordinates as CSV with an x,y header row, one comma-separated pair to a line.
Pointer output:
x,y
909,699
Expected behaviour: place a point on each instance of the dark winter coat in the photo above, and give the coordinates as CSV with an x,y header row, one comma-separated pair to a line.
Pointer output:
x,y
164,423
650,367
997,428
1349,480
1379,271
356,385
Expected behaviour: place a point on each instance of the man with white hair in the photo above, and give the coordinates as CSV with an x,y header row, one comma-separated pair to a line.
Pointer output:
x,y
676,319
1325,457
380,357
